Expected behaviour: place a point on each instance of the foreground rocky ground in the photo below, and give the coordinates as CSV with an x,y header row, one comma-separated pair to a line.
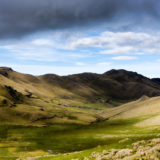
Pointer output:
x,y
141,150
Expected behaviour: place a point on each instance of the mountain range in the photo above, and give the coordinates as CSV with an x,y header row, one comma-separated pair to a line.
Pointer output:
x,y
78,98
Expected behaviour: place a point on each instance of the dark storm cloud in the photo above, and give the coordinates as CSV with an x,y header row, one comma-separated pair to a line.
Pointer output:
x,y
19,17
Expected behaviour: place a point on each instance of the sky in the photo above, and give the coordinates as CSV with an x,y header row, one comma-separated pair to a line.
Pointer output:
x,y
74,36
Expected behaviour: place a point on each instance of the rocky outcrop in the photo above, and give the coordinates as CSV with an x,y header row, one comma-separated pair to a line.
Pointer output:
x,y
15,95
141,150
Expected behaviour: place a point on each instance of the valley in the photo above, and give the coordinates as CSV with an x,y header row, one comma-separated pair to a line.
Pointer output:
x,y
70,117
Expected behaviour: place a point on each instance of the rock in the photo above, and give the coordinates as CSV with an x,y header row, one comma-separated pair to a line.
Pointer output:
x,y
105,152
142,150
155,141
16,96
95,154
137,144
124,153
42,109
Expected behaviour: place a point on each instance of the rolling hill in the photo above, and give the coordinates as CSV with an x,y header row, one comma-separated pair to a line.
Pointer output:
x,y
47,116
79,98
145,107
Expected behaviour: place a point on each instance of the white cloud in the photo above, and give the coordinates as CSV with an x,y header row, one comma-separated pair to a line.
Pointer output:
x,y
119,43
103,64
74,47
118,50
42,42
124,58
80,64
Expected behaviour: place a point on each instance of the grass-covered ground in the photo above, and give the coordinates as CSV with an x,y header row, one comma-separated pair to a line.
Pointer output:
x,y
22,141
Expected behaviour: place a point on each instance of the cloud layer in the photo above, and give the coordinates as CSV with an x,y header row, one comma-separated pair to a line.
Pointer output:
x,y
116,45
19,17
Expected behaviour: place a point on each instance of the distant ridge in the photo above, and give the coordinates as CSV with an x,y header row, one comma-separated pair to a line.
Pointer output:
x,y
116,84
79,98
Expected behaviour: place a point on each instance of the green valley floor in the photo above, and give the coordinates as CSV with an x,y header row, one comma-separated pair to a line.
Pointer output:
x,y
72,141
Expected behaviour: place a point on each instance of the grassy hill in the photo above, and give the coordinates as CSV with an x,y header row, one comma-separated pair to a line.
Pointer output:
x,y
48,116
48,99
143,107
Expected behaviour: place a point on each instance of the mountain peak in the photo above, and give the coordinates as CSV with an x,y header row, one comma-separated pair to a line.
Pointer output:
x,y
119,71
122,75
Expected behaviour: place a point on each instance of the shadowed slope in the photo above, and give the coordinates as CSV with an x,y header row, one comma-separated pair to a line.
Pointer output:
x,y
118,84
73,99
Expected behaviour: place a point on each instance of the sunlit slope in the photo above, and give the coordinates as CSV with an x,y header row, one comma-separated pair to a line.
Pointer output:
x,y
114,84
25,99
25,83
35,109
144,107
80,98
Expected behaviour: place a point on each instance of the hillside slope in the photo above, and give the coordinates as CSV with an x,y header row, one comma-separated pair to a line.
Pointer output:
x,y
79,98
118,84
145,107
